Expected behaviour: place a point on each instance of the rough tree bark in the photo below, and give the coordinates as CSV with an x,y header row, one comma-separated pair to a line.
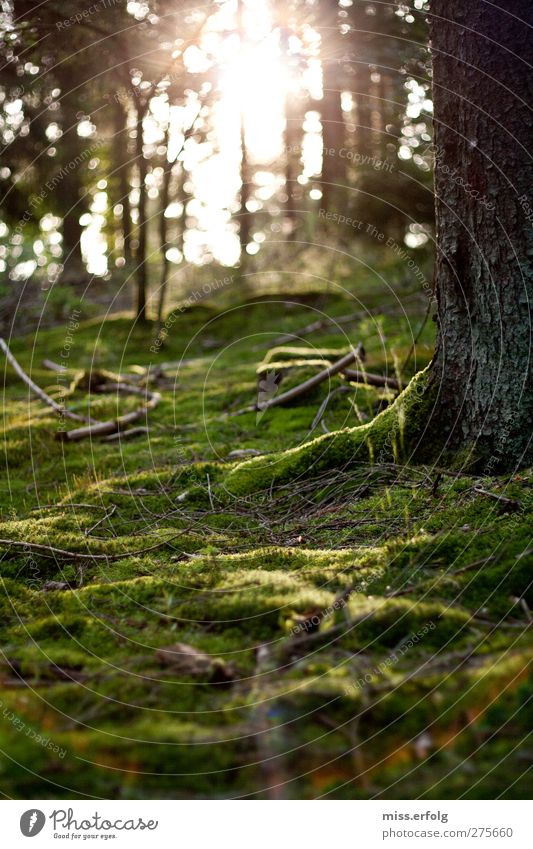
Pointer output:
x,y
482,367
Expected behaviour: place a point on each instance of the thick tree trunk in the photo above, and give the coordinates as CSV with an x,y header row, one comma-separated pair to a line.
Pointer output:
x,y
482,366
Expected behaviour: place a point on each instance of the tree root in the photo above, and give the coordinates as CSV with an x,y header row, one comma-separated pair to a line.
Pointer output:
x,y
393,436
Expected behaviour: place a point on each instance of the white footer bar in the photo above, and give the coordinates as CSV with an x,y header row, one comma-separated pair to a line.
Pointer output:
x,y
263,825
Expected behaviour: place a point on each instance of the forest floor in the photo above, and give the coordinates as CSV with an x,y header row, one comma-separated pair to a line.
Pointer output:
x,y
356,632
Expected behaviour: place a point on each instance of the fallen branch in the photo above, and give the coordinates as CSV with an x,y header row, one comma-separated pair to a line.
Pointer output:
x,y
40,393
123,388
508,505
115,425
313,381
304,387
51,366
132,433
372,379
141,373
108,514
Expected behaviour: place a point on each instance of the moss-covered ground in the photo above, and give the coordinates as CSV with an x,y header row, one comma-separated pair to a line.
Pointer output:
x,y
365,617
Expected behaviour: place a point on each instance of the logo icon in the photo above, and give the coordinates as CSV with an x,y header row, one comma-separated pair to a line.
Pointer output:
x,y
32,822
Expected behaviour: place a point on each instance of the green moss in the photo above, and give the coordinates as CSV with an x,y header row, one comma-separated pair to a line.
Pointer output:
x,y
392,436
249,553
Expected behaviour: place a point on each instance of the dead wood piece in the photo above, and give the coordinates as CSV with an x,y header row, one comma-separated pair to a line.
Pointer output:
x,y
243,453
40,393
57,586
304,387
132,433
107,515
118,424
51,366
507,505
313,381
360,376
122,388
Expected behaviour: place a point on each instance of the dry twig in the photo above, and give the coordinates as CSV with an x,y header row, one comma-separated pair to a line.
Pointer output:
x,y
40,393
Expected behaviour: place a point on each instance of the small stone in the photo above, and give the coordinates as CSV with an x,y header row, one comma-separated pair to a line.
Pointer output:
x,y
56,586
423,745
